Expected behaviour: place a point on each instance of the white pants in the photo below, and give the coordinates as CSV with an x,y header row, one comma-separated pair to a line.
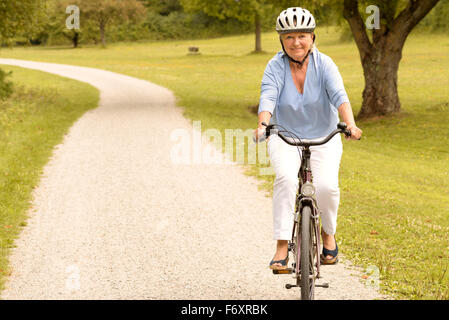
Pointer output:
x,y
325,163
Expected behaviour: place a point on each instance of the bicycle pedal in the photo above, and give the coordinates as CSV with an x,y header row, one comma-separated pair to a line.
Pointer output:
x,y
283,271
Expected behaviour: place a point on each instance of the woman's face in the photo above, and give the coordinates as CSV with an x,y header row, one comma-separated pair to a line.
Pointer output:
x,y
297,44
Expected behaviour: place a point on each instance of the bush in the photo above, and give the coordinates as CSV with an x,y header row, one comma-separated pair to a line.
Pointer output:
x,y
6,87
181,25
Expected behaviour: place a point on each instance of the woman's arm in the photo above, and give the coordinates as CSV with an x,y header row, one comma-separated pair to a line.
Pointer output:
x,y
268,95
338,97
347,116
264,116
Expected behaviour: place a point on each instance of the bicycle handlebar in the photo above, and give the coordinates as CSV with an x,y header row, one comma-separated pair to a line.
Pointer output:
x,y
341,128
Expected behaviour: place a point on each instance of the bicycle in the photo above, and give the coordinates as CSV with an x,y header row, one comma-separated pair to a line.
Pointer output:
x,y
305,242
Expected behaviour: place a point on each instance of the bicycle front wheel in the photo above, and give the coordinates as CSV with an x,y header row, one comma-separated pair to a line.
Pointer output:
x,y
305,234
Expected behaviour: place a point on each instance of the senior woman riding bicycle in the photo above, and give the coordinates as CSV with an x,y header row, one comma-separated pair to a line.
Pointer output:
x,y
303,91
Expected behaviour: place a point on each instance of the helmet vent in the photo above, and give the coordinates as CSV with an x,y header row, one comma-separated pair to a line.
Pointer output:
x,y
295,20
280,23
302,20
287,22
308,23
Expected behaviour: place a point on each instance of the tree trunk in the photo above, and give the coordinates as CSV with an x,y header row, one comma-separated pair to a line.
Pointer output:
x,y
258,25
75,39
102,33
380,96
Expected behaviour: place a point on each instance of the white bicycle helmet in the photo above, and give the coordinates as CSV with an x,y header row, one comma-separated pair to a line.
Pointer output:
x,y
295,20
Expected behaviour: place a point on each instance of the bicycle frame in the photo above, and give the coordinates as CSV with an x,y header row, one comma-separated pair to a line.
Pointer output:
x,y
305,175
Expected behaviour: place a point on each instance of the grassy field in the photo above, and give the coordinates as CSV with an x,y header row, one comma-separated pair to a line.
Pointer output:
x,y
32,121
394,211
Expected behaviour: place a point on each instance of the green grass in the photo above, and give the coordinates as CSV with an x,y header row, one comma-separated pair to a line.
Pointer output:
x,y
32,121
394,211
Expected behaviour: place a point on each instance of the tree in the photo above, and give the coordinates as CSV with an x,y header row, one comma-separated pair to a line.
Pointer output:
x,y
243,10
55,23
16,16
104,12
35,27
381,51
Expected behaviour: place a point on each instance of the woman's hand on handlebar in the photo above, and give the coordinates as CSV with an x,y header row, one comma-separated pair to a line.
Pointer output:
x,y
259,132
356,133
264,119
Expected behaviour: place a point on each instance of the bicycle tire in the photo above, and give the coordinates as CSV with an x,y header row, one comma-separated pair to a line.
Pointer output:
x,y
307,282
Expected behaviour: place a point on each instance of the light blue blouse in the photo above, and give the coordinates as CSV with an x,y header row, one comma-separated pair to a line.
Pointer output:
x,y
314,113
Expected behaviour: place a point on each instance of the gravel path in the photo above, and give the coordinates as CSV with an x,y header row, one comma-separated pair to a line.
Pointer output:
x,y
114,218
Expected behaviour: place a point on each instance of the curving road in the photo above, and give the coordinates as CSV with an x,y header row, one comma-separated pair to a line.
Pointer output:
x,y
115,218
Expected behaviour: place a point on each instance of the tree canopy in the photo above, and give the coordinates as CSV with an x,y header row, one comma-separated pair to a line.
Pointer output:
x,y
243,10
104,12
16,16
163,7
